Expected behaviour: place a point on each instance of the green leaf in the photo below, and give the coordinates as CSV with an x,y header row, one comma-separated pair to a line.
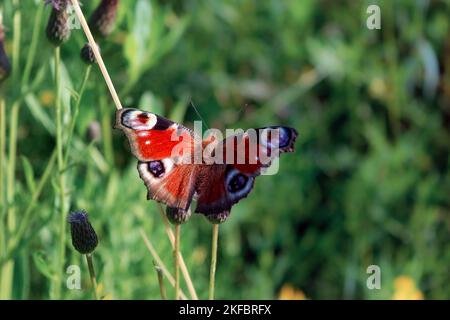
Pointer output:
x,y
43,265
29,174
39,113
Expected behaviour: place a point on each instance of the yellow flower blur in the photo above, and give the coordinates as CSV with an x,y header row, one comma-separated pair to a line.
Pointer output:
x,y
405,289
288,292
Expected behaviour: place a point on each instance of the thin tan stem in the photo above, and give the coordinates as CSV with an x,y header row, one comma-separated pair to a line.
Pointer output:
x,y
184,270
176,258
161,264
97,54
162,287
212,270
92,275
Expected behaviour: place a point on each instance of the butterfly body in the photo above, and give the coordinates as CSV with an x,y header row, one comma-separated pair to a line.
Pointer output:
x,y
170,167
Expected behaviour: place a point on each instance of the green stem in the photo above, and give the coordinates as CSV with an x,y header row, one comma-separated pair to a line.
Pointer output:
x,y
2,181
76,110
212,270
106,131
33,46
177,261
25,222
8,268
7,272
2,154
61,179
395,98
92,274
16,42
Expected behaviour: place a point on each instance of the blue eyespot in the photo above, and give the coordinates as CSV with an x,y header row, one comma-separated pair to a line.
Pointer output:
x,y
156,168
237,183
284,137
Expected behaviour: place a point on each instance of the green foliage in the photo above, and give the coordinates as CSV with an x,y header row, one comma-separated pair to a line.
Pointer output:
x,y
369,182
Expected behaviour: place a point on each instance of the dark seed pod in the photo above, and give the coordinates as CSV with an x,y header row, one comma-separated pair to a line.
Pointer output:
x,y
94,132
217,218
103,18
5,66
87,54
58,30
177,215
84,238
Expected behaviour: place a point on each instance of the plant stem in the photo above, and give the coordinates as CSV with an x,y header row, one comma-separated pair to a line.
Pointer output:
x,y
176,251
61,180
2,181
8,267
212,270
92,274
108,149
183,267
160,263
162,288
7,272
16,42
2,153
97,54
33,45
14,242
76,110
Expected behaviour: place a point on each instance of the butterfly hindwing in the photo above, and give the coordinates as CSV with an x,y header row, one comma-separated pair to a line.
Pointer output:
x,y
168,182
219,187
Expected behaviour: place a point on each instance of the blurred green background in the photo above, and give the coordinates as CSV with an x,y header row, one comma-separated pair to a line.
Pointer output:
x,y
369,182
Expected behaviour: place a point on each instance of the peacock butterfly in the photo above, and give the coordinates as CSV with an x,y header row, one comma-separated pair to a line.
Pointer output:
x,y
177,166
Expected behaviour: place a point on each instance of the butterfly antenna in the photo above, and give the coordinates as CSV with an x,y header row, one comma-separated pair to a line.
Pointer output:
x,y
198,114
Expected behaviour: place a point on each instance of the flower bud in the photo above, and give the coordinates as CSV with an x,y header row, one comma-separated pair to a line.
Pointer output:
x,y
84,238
217,218
87,54
58,30
102,20
94,132
177,215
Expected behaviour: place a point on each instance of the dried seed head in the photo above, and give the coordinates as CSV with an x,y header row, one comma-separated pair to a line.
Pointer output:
x,y
177,215
84,238
58,30
217,218
57,4
5,66
103,18
87,54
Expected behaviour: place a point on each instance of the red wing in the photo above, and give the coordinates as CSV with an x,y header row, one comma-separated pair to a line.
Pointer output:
x,y
168,182
153,137
255,149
